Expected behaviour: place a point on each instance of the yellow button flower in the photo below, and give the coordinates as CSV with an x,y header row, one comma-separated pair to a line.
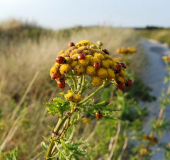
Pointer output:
x,y
105,64
111,74
53,70
73,64
143,151
82,43
65,68
96,81
79,70
102,73
94,59
99,56
77,98
91,71
69,96
121,79
83,62
122,73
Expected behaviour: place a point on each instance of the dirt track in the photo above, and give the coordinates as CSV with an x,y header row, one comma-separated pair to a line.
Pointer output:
x,y
153,76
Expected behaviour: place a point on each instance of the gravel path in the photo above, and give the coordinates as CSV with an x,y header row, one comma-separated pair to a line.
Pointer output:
x,y
153,76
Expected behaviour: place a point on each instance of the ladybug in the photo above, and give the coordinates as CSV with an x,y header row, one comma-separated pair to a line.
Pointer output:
x,y
117,71
105,51
118,67
61,83
81,56
97,65
99,115
55,75
60,60
71,44
121,85
129,83
123,65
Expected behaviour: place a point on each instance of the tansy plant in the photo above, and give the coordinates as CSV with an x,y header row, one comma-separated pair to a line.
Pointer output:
x,y
82,66
126,51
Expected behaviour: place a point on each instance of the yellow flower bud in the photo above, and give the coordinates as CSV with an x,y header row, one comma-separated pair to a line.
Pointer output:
x,y
89,57
143,151
121,79
91,71
79,70
82,43
96,81
83,62
99,56
77,98
100,43
54,69
68,60
69,96
75,56
108,57
102,73
111,74
80,49
73,64
86,120
94,59
122,73
65,68
67,53
105,64
87,52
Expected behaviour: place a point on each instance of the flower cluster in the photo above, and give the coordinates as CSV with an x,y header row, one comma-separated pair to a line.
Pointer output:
x,y
73,97
126,50
86,58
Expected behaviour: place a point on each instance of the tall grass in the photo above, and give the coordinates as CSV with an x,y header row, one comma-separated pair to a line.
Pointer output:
x,y
162,35
20,62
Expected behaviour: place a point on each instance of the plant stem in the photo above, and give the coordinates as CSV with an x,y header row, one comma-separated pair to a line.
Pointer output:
x,y
74,82
83,83
56,130
80,83
91,95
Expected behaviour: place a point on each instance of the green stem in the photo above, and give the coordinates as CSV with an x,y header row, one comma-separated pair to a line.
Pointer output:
x,y
80,82
83,83
69,82
66,127
56,129
91,95
74,82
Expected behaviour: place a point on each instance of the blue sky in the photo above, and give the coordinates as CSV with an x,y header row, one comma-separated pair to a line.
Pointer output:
x,y
58,14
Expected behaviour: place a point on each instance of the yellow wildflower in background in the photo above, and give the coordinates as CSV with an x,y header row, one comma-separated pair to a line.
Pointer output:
x,y
86,120
166,58
143,151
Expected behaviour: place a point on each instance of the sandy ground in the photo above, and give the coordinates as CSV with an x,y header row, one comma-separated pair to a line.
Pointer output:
x,y
153,76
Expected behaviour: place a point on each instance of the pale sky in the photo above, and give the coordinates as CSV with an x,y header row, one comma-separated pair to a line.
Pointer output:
x,y
58,14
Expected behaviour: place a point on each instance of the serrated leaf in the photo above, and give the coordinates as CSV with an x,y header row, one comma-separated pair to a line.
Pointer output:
x,y
58,100
64,145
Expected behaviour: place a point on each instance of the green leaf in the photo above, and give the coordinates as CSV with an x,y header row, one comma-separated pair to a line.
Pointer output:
x,y
59,100
57,106
44,146
13,155
63,144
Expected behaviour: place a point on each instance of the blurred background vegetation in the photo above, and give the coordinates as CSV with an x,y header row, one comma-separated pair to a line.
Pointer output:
x,y
27,53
